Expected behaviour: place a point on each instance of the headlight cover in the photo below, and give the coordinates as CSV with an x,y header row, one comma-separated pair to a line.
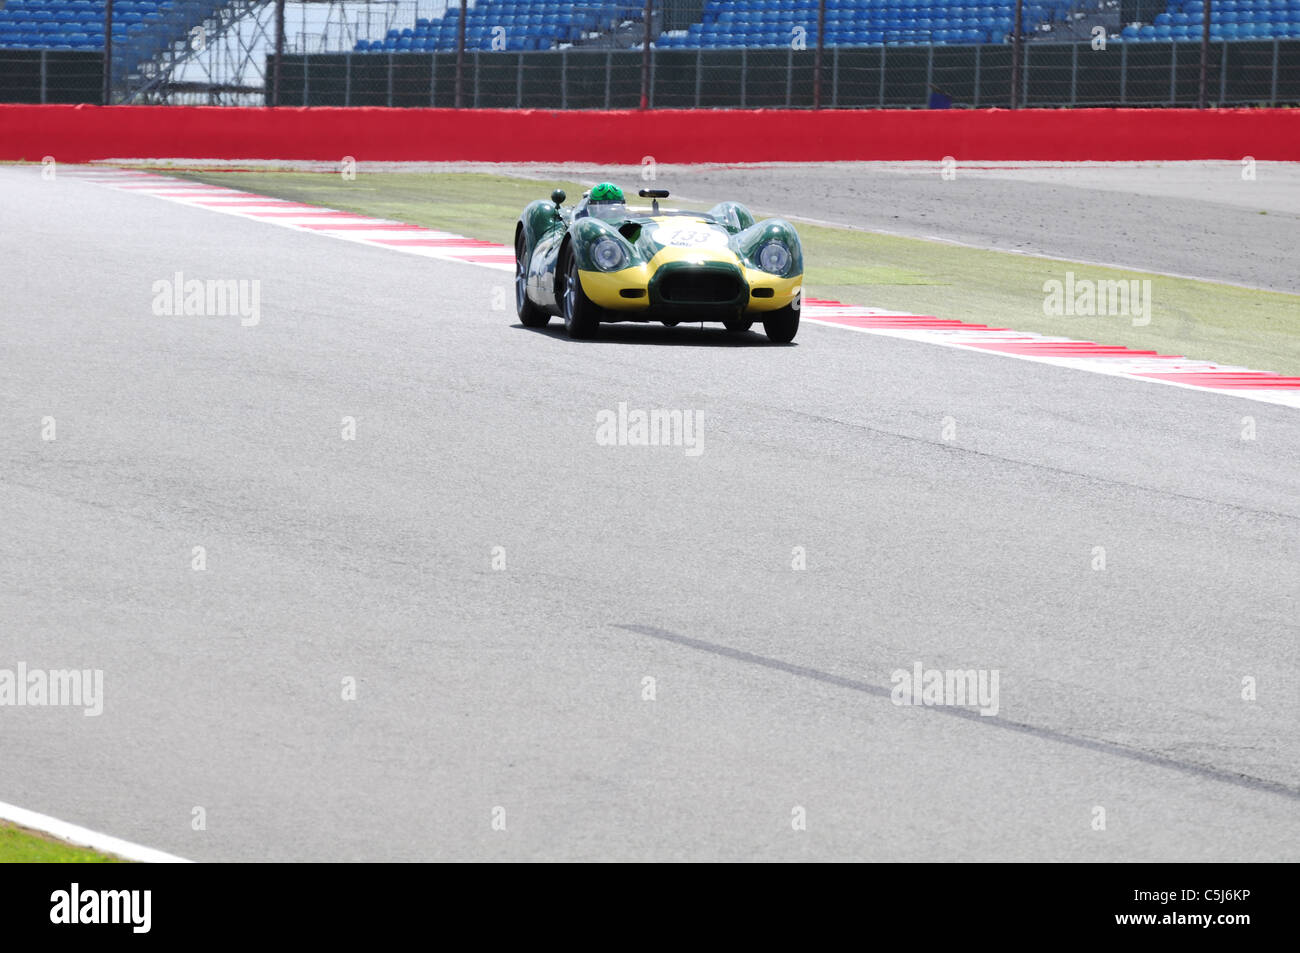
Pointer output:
x,y
774,258
608,254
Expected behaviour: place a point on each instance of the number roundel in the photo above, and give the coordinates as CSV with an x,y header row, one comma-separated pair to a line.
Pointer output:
x,y
692,235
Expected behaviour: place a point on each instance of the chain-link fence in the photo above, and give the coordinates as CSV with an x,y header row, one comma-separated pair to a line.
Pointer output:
x,y
704,54
1051,74
50,76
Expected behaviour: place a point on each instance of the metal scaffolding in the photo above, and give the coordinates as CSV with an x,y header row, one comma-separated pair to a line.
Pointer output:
x,y
222,59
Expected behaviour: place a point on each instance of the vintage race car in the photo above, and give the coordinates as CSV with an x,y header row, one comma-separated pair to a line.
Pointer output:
x,y
603,261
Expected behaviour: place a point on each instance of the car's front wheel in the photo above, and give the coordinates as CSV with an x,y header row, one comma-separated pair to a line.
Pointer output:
x,y
580,316
530,316
781,325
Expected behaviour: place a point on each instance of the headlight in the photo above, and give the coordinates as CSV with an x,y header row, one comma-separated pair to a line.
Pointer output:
x,y
608,254
774,257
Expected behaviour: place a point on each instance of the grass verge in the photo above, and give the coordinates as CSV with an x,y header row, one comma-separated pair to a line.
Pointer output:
x,y
21,846
1199,319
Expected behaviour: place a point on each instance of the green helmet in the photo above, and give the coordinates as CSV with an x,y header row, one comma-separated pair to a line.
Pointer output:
x,y
606,192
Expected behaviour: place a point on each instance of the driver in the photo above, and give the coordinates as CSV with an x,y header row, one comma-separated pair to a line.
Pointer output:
x,y
604,201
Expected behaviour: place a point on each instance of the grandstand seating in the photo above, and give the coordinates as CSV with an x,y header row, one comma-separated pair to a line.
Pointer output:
x,y
775,23
1184,21
141,28
772,23
523,25
144,27
540,24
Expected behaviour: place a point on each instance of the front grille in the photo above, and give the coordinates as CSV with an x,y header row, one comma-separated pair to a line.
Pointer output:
x,y
700,287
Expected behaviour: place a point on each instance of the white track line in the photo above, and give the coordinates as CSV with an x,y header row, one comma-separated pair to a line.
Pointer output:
x,y
1130,363
84,837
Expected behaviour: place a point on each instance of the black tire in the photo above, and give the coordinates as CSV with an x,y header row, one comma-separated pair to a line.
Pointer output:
x,y
581,317
782,325
737,325
530,316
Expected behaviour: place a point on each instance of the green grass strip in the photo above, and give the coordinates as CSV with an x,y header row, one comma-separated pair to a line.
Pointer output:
x,y
21,846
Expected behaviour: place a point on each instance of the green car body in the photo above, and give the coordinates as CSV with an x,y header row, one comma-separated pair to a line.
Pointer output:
x,y
610,262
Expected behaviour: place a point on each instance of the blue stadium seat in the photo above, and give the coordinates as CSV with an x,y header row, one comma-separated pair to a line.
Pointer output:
x,y
532,24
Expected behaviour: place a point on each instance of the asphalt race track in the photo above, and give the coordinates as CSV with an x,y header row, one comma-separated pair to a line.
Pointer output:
x,y
518,693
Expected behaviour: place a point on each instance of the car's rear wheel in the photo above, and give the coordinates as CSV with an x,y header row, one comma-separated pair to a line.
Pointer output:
x,y
530,316
738,325
581,318
781,325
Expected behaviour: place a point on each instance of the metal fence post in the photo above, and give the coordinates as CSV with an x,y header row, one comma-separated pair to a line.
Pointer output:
x,y
1016,47
390,75
835,77
654,67
1074,74
609,67
1173,74
347,79
789,76
744,76
699,70
978,61
881,91
817,59
646,93
478,55
44,78
108,56
1272,95
929,72
1123,73
306,78
519,81
433,80
1223,73
279,55
1024,75
460,56
1205,55
564,79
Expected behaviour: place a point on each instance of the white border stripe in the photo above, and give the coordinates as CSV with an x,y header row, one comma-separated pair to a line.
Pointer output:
x,y
84,837
1109,366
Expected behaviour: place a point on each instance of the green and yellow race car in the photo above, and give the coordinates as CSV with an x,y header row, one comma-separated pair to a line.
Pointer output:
x,y
605,261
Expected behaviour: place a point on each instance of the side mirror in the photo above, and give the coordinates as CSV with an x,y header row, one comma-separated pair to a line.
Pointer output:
x,y
558,197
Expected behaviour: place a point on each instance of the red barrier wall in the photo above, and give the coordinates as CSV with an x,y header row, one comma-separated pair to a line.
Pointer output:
x,y
80,133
